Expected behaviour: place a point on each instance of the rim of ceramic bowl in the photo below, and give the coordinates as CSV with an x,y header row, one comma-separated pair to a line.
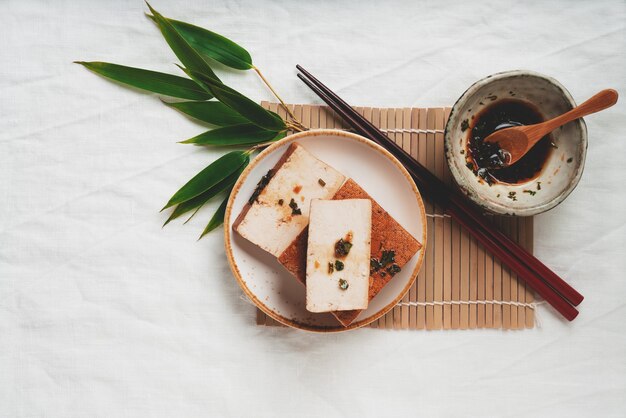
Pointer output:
x,y
227,231
470,191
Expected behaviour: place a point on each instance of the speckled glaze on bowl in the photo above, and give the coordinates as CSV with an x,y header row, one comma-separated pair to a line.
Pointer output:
x,y
564,165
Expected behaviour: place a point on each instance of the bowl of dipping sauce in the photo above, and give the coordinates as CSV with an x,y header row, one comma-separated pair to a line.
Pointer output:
x,y
545,176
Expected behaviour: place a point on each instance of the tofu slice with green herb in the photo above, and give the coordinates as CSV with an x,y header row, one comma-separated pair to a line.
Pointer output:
x,y
278,210
338,255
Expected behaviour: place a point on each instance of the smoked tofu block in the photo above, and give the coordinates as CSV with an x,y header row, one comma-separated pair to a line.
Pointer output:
x,y
338,255
388,237
279,208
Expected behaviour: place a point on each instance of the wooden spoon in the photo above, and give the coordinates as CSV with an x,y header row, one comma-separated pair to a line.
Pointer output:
x,y
515,142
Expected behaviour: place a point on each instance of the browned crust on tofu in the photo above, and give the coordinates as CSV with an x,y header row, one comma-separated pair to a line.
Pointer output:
x,y
294,256
387,234
274,169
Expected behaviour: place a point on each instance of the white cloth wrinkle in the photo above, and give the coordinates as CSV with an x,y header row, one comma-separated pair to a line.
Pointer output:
x,y
104,313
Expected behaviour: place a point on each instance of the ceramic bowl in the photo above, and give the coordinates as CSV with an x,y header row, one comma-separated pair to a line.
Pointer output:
x,y
564,164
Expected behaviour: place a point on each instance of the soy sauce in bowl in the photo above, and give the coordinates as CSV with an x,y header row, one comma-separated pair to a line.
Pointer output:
x,y
482,157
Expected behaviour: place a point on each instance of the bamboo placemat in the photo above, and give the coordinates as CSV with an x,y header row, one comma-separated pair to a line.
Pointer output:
x,y
460,285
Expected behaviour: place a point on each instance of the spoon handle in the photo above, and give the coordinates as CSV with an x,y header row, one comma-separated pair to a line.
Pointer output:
x,y
600,101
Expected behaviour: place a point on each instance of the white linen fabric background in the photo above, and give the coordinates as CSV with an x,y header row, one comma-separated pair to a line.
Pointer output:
x,y
105,314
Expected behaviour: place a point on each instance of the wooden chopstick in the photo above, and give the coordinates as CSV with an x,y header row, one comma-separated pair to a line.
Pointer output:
x,y
537,275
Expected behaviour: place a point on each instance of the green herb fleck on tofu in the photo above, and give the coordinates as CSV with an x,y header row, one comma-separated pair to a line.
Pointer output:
x,y
387,257
342,247
295,210
260,186
393,269
374,265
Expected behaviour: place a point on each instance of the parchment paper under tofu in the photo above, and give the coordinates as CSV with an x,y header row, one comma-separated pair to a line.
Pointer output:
x,y
338,255
275,216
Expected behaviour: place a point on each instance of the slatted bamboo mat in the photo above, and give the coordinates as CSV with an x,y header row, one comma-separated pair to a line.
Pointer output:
x,y
460,285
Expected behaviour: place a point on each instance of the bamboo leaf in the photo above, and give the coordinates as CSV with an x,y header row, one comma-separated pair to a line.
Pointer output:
x,y
218,217
240,103
215,113
186,53
209,177
185,207
162,83
193,214
198,201
213,45
244,134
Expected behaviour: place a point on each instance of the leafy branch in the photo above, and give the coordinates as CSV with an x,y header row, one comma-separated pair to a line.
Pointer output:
x,y
238,121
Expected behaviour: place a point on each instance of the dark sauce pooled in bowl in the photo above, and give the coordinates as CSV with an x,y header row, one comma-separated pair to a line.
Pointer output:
x,y
482,157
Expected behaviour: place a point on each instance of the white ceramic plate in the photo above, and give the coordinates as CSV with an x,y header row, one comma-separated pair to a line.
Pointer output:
x,y
270,286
